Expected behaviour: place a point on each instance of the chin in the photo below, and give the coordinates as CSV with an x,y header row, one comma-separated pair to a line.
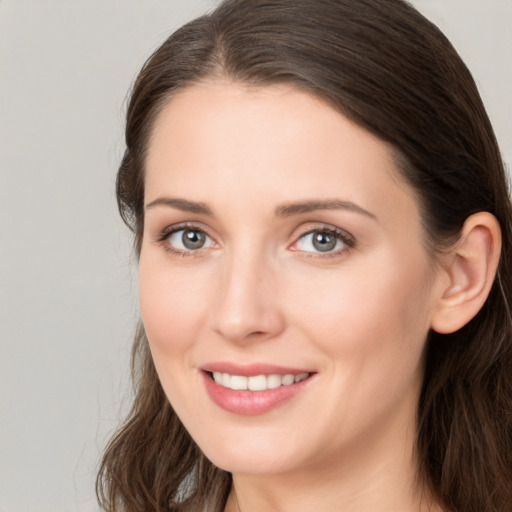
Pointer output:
x,y
257,456
250,465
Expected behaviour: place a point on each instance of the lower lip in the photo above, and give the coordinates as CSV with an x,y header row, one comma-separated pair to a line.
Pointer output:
x,y
251,403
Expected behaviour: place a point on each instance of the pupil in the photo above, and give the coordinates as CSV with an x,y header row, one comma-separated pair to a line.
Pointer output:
x,y
193,239
324,242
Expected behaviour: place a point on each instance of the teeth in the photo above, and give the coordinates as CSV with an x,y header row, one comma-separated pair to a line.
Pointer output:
x,y
238,382
274,381
288,379
257,382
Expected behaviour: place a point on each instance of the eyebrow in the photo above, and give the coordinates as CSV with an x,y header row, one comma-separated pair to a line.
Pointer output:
x,y
181,204
298,208
285,210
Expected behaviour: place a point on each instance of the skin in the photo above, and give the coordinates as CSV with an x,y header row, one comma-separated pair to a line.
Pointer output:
x,y
259,291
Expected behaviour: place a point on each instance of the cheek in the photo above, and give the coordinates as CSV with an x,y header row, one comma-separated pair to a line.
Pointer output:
x,y
370,319
173,305
172,301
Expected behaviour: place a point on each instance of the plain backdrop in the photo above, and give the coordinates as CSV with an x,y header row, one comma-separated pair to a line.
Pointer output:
x,y
68,291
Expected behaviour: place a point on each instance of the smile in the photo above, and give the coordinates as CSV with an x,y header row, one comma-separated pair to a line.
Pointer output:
x,y
254,389
257,382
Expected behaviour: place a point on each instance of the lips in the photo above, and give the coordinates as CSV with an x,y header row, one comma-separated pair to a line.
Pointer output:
x,y
253,389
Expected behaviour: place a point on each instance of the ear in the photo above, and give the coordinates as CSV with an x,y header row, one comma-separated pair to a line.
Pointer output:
x,y
469,269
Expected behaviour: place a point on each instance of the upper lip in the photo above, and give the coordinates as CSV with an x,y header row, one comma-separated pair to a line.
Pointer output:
x,y
250,370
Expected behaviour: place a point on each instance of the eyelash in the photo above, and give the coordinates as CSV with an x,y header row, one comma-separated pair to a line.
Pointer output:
x,y
163,239
348,241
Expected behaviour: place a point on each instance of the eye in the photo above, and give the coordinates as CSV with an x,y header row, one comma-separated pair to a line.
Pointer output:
x,y
188,239
324,241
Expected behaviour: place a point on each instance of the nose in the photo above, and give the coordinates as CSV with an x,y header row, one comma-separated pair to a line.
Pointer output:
x,y
247,302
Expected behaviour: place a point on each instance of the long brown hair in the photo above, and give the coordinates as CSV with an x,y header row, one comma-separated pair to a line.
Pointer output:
x,y
384,66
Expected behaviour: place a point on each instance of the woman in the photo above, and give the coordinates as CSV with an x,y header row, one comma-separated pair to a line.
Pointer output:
x,y
324,232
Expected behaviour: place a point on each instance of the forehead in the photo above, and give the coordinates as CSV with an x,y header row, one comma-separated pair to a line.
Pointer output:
x,y
281,143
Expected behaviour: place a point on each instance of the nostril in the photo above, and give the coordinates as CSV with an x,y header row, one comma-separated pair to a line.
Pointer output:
x,y
257,334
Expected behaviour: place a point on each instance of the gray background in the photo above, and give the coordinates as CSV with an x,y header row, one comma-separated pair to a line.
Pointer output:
x,y
67,279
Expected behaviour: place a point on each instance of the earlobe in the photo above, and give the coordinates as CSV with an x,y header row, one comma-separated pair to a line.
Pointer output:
x,y
470,267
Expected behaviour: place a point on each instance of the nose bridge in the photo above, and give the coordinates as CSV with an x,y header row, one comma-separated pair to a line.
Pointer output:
x,y
247,306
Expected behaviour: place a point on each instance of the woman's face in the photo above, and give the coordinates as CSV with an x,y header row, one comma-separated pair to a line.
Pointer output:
x,y
282,252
